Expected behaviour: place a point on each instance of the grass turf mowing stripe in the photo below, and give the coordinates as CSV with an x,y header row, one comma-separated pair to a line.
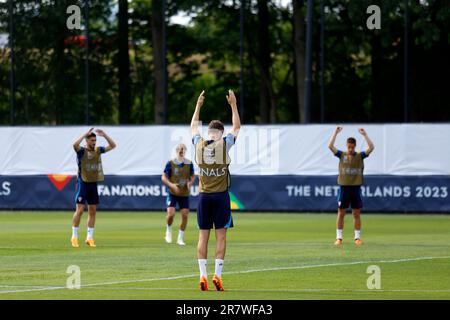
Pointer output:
x,y
46,288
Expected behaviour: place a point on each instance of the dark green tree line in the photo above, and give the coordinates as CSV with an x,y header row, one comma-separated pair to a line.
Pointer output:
x,y
363,75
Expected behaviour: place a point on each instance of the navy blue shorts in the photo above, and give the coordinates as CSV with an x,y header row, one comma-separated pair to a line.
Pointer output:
x,y
350,196
172,200
214,211
86,192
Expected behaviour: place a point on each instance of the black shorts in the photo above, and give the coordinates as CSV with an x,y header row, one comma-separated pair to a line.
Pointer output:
x,y
350,196
214,211
86,192
172,200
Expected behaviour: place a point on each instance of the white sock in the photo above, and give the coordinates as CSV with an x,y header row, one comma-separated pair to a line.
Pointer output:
x,y
74,232
339,234
90,233
219,266
180,234
202,267
169,229
357,234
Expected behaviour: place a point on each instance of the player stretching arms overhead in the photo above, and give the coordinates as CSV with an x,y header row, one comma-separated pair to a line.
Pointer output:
x,y
213,209
179,177
90,171
350,179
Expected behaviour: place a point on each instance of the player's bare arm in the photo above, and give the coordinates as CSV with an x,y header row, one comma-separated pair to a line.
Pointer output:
x,y
368,140
111,144
191,181
76,144
333,139
172,186
196,115
236,120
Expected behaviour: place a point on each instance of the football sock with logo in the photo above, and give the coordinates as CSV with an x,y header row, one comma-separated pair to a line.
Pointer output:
x,y
74,232
202,267
219,266
90,233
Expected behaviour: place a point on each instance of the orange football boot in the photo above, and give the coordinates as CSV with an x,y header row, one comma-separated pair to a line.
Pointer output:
x,y
204,284
217,283
91,243
74,242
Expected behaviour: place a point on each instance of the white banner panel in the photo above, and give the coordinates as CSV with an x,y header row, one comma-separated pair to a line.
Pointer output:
x,y
400,149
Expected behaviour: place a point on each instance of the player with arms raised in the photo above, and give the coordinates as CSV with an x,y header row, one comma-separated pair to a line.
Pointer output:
x,y
90,171
213,210
350,179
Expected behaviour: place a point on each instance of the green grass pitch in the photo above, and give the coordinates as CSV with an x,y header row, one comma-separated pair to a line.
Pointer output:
x,y
270,256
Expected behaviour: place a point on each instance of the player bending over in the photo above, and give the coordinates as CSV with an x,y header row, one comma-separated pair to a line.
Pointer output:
x,y
90,171
350,179
179,177
211,155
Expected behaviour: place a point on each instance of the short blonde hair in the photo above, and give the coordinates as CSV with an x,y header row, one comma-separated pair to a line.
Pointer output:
x,y
179,146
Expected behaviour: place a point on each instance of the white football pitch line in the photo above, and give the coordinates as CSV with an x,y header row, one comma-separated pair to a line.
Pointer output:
x,y
49,288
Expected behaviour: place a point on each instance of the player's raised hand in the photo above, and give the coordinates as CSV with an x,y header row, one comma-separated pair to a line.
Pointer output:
x,y
231,98
362,131
100,132
201,99
338,130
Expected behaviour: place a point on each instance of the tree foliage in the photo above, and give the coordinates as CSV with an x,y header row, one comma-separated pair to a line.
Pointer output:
x,y
363,76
